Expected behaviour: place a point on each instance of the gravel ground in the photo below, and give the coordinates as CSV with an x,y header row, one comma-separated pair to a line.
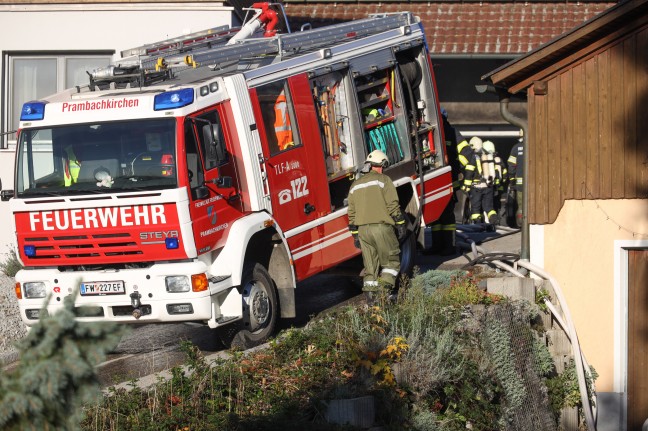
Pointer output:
x,y
11,326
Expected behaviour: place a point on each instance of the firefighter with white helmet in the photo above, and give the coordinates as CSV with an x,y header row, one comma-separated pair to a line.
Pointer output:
x,y
489,147
374,212
476,143
480,174
499,178
465,154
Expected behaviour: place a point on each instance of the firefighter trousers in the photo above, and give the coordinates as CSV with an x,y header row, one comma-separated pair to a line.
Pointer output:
x,y
380,255
481,201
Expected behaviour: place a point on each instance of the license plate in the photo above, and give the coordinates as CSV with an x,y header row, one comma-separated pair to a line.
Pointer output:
x,y
103,288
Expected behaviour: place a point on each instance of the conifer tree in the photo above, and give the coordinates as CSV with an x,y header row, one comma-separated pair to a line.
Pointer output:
x,y
56,375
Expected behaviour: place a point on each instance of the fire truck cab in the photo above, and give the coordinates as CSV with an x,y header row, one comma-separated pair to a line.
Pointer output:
x,y
201,181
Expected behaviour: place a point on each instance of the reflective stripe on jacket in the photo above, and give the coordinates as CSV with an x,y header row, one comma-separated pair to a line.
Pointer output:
x,y
373,199
282,123
516,166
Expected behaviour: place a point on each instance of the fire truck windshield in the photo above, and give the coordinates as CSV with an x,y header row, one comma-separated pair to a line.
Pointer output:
x,y
97,158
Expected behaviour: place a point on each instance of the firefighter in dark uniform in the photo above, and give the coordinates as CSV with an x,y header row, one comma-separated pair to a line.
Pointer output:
x,y
516,180
374,212
499,181
480,172
444,229
465,155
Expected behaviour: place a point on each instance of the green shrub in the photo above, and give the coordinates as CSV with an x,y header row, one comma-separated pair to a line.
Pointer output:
x,y
11,265
564,390
56,375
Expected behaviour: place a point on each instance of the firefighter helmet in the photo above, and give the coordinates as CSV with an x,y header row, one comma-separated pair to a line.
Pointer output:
x,y
377,158
489,147
476,143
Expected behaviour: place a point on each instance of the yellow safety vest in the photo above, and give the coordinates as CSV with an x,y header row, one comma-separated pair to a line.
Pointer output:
x,y
71,168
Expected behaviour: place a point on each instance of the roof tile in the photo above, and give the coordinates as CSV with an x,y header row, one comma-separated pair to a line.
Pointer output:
x,y
465,28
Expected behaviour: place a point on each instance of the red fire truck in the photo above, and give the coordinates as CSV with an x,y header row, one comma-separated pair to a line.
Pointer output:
x,y
201,178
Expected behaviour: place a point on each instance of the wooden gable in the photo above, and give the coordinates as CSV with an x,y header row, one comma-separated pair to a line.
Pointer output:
x,y
587,101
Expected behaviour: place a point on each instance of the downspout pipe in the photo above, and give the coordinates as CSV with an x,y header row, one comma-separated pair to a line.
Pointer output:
x,y
504,98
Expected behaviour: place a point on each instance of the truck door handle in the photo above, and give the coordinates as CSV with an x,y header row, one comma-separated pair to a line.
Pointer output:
x,y
308,208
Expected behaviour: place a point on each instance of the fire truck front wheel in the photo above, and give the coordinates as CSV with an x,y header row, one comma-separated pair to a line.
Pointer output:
x,y
260,306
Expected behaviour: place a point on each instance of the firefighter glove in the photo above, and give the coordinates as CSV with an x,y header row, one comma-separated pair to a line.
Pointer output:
x,y
401,230
356,241
354,233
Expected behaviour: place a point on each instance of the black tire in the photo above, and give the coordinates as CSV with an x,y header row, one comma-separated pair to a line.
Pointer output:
x,y
260,310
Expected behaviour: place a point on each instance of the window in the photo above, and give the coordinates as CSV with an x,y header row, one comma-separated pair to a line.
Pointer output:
x,y
212,140
194,165
118,156
278,116
33,77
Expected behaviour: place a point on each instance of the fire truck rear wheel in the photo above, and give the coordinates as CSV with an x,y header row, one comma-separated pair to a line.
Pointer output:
x,y
260,306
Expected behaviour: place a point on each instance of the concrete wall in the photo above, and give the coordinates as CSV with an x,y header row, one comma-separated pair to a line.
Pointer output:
x,y
75,27
585,251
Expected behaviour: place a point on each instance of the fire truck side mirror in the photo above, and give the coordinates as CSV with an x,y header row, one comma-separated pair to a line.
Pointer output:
x,y
224,182
5,195
217,153
199,193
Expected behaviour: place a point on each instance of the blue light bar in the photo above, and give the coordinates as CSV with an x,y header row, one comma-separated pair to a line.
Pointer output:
x,y
30,250
32,111
171,243
173,99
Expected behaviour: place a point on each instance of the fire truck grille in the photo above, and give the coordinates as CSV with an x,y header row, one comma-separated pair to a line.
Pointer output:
x,y
84,246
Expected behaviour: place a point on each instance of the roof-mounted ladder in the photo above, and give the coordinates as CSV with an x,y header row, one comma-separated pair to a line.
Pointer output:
x,y
192,52
198,40
293,43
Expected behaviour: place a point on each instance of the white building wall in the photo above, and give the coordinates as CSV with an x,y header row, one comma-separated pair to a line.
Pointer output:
x,y
103,26
77,27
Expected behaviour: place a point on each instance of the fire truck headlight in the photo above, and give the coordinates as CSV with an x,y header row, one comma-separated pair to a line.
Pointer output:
x,y
30,250
177,283
34,289
173,99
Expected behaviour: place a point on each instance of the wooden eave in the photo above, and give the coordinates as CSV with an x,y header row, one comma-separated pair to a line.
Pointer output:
x,y
584,40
